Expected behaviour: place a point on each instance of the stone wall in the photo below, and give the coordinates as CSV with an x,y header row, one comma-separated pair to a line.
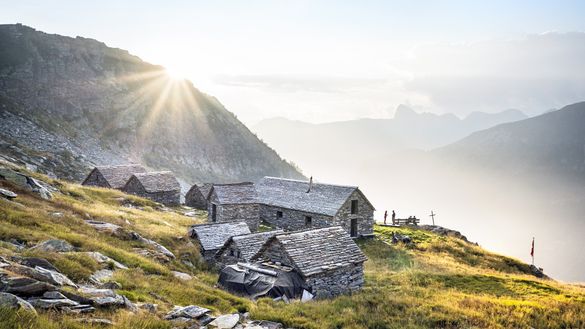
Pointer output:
x,y
168,198
248,213
340,281
229,256
364,215
274,253
96,179
293,220
195,199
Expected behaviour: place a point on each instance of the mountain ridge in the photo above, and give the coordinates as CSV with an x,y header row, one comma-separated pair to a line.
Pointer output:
x,y
70,103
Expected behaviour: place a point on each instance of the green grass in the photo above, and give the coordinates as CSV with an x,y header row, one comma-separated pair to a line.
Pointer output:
x,y
438,282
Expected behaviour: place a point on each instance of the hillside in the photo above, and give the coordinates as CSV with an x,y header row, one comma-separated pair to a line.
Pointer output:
x,y
549,144
440,281
67,104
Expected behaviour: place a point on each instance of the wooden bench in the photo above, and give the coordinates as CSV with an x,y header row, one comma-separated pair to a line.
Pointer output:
x,y
406,221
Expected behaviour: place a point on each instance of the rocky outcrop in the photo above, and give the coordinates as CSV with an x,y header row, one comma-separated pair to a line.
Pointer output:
x,y
67,104
15,302
54,246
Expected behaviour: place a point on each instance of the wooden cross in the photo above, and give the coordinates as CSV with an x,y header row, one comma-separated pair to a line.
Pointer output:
x,y
432,215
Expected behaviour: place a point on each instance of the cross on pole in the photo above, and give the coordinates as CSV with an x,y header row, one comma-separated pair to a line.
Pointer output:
x,y
432,215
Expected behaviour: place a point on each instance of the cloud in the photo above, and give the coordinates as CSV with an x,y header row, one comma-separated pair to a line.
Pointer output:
x,y
535,73
298,83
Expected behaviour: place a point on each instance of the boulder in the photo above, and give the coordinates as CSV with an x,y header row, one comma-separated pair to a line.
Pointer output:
x,y
401,238
42,274
34,262
227,321
46,304
79,309
182,276
103,259
111,285
7,194
95,321
149,307
54,246
157,246
102,297
190,312
26,182
105,227
101,276
53,295
23,286
14,302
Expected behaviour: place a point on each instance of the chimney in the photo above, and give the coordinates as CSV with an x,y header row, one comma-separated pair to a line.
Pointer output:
x,y
310,184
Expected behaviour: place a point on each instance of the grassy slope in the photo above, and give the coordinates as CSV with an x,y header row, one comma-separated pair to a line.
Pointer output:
x,y
442,282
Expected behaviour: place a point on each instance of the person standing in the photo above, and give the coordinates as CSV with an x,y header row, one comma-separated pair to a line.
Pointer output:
x,y
393,217
385,216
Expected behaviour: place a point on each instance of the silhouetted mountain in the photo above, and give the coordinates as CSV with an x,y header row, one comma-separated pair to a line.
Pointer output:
x,y
69,103
550,144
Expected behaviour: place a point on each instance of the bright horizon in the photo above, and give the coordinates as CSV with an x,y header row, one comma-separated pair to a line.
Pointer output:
x,y
330,61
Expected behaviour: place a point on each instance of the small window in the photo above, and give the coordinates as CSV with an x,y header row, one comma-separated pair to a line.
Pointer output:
x,y
354,206
213,212
308,221
279,214
239,254
232,252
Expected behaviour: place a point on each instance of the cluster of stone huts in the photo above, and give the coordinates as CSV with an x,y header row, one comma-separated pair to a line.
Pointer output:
x,y
158,186
313,227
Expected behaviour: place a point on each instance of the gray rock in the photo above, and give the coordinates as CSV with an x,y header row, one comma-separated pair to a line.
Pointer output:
x,y
149,307
182,276
52,303
104,227
14,302
34,262
25,182
23,286
54,246
101,258
102,297
53,295
95,321
401,238
111,285
129,305
160,248
79,309
55,277
191,312
101,276
227,321
7,194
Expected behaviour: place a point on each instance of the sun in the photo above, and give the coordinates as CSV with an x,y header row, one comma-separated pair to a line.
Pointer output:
x,y
175,73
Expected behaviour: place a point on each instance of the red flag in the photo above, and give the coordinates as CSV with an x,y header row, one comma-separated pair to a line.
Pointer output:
x,y
532,250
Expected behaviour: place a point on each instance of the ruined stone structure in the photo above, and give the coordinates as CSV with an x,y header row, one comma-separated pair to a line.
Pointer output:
x,y
197,196
234,203
112,176
327,259
162,187
242,248
296,205
211,237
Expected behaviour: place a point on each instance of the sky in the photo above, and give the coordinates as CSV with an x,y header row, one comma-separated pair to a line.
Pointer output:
x,y
322,61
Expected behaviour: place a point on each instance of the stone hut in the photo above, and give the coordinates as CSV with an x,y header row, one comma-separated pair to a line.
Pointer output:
x,y
234,203
296,205
112,176
241,248
327,259
211,237
161,186
197,196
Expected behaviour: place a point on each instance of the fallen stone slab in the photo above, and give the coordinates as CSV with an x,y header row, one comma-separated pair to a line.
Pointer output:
x,y
54,246
53,295
227,321
190,312
42,274
52,303
101,258
7,194
14,302
79,309
102,297
34,262
26,182
104,227
23,286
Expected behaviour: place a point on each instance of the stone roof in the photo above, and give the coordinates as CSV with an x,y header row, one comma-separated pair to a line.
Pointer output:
x,y
237,193
249,244
158,181
117,176
317,251
214,236
204,189
324,199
